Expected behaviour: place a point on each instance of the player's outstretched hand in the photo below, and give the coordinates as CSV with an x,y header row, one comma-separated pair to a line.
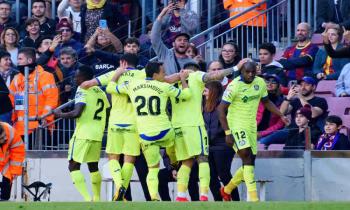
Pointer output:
x,y
174,173
229,140
57,113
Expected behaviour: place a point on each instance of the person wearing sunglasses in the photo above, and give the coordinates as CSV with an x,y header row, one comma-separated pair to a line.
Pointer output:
x,y
267,121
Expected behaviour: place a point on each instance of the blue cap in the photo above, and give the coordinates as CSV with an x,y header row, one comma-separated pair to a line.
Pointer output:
x,y
308,80
274,76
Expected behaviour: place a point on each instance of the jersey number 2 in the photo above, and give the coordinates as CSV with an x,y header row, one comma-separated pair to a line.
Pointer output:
x,y
100,105
153,104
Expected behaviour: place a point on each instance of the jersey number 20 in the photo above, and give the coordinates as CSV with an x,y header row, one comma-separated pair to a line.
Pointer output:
x,y
153,105
100,105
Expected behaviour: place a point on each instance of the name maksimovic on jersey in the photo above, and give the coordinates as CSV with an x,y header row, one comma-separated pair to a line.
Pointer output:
x,y
155,88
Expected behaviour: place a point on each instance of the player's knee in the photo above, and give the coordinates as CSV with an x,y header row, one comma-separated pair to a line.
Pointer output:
x,y
113,157
73,166
247,157
188,162
202,159
129,159
93,167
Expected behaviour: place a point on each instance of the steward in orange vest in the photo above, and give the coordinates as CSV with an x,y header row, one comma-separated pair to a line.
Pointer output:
x,y
43,93
237,6
12,155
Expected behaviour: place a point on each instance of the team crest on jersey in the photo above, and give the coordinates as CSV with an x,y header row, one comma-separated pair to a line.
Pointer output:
x,y
78,95
256,87
245,99
242,142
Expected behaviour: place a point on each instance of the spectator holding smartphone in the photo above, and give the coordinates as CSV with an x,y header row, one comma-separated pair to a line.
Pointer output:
x,y
180,19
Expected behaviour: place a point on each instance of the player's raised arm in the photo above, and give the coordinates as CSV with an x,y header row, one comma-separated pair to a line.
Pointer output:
x,y
75,113
219,75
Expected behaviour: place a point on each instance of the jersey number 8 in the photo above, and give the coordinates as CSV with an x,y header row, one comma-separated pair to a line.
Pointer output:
x,y
153,105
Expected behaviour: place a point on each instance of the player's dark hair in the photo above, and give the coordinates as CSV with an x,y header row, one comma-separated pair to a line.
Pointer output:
x,y
29,52
86,71
334,119
131,59
193,66
132,40
153,67
269,47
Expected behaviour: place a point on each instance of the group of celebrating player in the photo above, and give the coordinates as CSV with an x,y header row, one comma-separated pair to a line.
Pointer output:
x,y
142,118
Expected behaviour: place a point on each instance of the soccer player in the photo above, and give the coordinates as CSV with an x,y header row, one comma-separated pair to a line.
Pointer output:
x,y
149,99
122,132
85,144
191,136
241,99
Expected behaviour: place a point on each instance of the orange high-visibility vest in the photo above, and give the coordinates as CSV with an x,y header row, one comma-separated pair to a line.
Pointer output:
x,y
237,6
12,153
43,97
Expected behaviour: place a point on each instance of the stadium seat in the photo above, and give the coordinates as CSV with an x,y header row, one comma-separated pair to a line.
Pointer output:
x,y
326,88
338,106
261,147
277,147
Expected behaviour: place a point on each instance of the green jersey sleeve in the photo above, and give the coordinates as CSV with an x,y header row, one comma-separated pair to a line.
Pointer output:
x,y
105,78
230,93
178,93
263,93
80,96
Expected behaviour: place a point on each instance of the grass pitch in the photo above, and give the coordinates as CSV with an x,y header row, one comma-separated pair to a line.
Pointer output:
x,y
175,206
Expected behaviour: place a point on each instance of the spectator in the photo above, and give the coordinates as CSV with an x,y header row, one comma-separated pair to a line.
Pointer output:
x,y
338,53
47,25
94,11
6,106
342,87
220,155
179,19
216,66
229,55
297,137
174,59
332,139
268,65
44,44
298,59
71,9
329,12
192,52
12,153
104,40
9,42
7,72
33,33
44,97
268,122
108,61
64,28
68,64
299,96
326,67
5,19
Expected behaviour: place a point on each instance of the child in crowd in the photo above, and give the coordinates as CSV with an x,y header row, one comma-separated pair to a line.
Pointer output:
x,y
332,139
296,137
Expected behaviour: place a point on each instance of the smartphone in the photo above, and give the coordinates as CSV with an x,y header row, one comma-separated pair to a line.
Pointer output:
x,y
175,3
293,83
103,24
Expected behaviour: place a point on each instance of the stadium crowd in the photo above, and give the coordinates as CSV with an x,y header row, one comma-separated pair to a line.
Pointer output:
x,y
87,46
